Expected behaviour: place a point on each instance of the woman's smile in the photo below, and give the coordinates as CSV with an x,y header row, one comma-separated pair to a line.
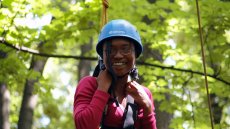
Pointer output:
x,y
118,63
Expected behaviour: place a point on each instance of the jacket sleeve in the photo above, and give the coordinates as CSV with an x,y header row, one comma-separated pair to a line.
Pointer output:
x,y
149,122
89,104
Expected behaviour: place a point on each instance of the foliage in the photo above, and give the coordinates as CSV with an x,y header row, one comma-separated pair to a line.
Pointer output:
x,y
169,29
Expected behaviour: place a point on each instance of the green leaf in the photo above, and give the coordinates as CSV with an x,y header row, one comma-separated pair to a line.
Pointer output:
x,y
6,3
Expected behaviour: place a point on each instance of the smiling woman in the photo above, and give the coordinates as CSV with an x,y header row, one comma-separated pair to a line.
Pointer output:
x,y
110,99
121,56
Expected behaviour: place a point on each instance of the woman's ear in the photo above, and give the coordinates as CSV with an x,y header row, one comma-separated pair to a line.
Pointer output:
x,y
134,73
101,64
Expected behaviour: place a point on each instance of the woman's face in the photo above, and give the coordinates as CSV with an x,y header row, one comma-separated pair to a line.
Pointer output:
x,y
122,56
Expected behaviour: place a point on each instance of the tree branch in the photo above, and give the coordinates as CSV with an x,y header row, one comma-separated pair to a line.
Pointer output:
x,y
34,52
184,70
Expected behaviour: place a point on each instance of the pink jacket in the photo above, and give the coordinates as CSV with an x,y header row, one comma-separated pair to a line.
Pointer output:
x,y
89,105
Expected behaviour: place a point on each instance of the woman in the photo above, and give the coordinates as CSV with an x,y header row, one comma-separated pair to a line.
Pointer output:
x,y
110,99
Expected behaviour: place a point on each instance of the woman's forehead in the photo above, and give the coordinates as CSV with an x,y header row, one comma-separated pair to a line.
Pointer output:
x,y
120,42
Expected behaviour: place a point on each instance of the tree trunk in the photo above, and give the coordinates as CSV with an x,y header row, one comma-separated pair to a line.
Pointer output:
x,y
84,66
216,108
29,99
4,107
163,118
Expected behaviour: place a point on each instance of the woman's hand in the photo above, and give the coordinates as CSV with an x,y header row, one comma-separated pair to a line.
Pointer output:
x,y
104,80
140,96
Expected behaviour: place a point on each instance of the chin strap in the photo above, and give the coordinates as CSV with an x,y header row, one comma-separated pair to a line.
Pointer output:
x,y
133,74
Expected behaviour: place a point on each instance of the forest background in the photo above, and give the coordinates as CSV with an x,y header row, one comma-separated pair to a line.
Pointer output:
x,y
46,46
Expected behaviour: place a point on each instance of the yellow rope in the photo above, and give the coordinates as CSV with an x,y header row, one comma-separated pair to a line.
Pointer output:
x,y
203,59
104,17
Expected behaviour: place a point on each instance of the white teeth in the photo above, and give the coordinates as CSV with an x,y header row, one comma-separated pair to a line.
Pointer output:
x,y
118,63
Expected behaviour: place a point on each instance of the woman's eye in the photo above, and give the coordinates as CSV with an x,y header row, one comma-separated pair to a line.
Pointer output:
x,y
125,49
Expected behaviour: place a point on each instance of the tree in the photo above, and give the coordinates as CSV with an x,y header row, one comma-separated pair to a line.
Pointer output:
x,y
29,99
4,108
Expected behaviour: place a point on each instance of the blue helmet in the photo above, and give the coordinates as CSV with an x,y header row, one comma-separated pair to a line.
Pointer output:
x,y
119,28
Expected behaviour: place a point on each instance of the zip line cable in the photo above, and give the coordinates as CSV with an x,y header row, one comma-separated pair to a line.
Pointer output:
x,y
204,65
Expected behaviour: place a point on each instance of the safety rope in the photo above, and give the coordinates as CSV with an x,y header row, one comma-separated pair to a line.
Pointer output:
x,y
204,66
104,17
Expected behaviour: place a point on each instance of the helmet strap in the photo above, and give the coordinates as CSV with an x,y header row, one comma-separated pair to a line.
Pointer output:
x,y
133,74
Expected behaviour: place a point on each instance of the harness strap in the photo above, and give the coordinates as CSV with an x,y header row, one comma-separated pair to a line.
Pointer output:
x,y
130,113
129,116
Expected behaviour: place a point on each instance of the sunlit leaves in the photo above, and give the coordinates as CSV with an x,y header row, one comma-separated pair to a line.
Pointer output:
x,y
6,3
12,71
37,6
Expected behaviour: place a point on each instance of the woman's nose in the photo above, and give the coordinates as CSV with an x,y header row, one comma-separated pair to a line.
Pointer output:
x,y
118,54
